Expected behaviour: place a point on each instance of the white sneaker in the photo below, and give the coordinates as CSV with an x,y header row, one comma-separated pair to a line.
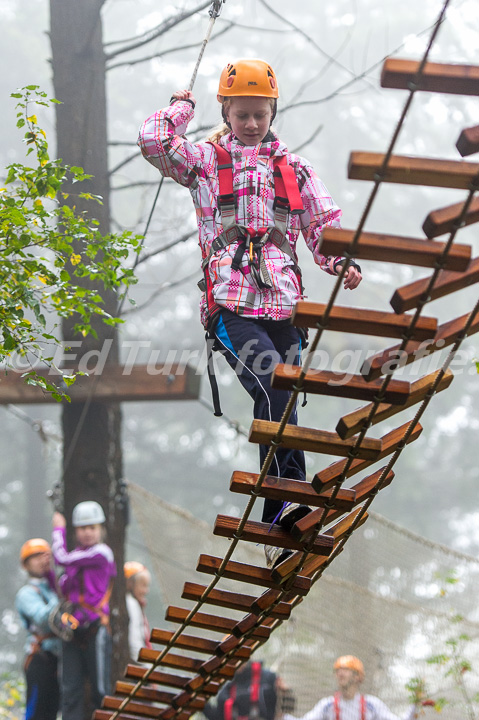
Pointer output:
x,y
275,555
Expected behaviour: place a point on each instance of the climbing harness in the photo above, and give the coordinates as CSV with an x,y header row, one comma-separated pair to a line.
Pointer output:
x,y
230,711
337,711
250,240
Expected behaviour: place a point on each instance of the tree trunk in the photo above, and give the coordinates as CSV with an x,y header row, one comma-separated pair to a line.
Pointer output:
x,y
92,457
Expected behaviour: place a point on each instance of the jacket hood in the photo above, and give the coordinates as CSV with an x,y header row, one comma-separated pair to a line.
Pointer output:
x,y
272,146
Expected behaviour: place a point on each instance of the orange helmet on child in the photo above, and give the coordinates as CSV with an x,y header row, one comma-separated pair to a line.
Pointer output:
x,y
35,546
350,662
248,77
131,568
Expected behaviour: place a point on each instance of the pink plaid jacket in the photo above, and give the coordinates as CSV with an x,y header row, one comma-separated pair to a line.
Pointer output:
x,y
195,166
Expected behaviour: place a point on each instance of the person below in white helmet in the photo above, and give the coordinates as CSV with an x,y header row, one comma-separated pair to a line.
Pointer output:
x,y
348,703
253,198
87,581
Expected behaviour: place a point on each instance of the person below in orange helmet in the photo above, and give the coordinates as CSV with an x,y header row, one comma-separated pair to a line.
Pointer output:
x,y
138,581
348,703
34,602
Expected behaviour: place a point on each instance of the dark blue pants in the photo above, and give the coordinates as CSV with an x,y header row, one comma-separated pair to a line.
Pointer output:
x,y
253,347
43,691
87,656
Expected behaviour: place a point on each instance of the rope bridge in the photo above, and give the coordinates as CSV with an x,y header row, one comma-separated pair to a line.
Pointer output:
x,y
320,537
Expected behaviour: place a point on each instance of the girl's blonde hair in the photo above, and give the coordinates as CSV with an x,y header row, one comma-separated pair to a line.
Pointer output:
x,y
222,128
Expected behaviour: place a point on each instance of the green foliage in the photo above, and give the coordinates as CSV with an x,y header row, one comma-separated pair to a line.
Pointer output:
x,y
12,689
46,247
451,662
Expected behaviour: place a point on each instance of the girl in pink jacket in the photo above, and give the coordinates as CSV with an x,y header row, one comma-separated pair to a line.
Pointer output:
x,y
252,199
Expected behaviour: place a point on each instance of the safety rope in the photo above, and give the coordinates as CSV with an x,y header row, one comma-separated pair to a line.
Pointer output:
x,y
297,389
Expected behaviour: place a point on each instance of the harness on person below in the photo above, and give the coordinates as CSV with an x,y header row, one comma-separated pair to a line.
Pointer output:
x,y
337,711
287,199
230,712
98,608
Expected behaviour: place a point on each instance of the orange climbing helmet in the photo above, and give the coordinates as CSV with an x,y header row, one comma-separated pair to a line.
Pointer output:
x,y
248,77
131,568
35,546
351,663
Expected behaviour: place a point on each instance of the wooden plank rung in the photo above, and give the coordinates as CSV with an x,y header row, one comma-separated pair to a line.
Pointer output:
x,y
443,220
264,533
362,321
393,249
468,141
392,358
191,642
325,382
352,423
450,78
227,599
302,530
408,296
406,170
296,491
216,623
318,441
329,477
247,573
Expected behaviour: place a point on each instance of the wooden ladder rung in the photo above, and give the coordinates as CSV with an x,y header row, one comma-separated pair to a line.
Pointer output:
x,y
137,708
296,491
435,77
408,296
231,600
302,530
325,382
215,665
266,534
267,600
389,359
247,573
231,643
308,439
192,642
199,683
468,141
303,527
313,563
171,713
352,423
328,477
107,714
215,623
158,696
363,322
443,220
394,249
137,672
407,170
183,662
186,699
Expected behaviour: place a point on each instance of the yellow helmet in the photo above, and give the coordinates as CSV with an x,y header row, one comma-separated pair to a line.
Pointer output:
x,y
248,77
351,663
131,568
35,546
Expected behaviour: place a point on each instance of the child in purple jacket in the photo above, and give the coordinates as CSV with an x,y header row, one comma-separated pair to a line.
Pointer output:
x,y
87,583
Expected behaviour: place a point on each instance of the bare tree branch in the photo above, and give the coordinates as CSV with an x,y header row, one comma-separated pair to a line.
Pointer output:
x,y
124,162
310,139
137,61
160,29
163,288
163,248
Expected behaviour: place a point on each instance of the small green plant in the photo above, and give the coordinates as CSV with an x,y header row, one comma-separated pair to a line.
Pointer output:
x,y
53,259
452,663
12,692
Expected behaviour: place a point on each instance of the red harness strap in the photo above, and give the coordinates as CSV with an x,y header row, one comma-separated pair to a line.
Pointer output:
x,y
337,712
286,185
254,689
